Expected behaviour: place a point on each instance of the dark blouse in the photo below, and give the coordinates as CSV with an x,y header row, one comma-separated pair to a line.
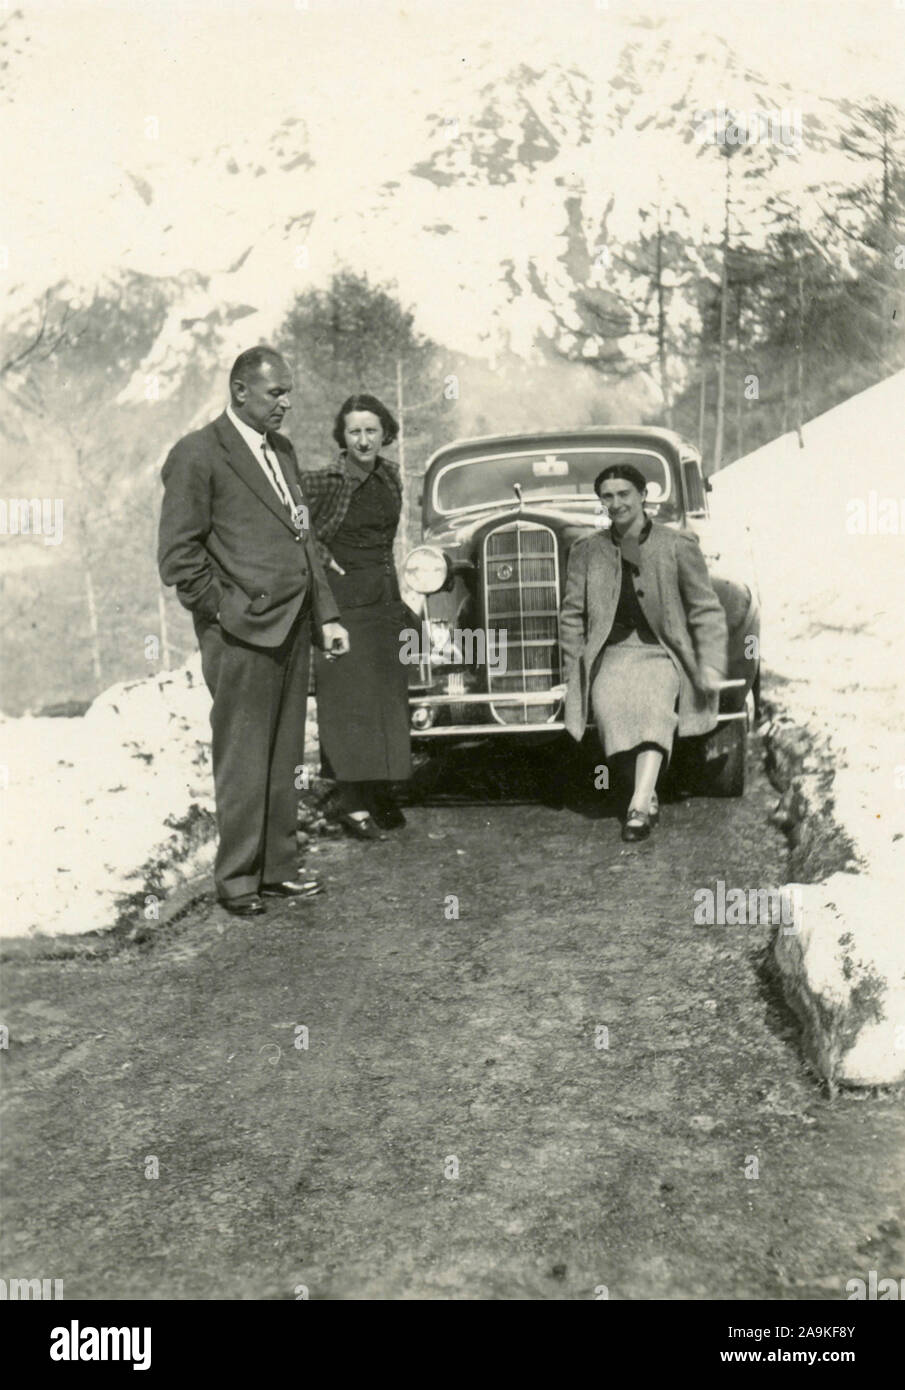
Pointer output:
x,y
629,616
366,535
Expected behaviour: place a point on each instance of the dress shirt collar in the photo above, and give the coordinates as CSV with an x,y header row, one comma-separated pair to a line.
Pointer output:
x,y
253,438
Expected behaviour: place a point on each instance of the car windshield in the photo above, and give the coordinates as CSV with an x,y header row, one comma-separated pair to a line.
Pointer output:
x,y
489,480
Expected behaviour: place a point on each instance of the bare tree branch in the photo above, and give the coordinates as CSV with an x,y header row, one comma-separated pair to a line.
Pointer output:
x,y
45,341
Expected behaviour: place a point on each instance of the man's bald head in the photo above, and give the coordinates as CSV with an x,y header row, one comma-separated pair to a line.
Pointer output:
x,y
251,361
260,383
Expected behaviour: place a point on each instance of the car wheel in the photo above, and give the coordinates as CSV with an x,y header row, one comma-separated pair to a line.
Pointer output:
x,y
755,692
723,753
429,766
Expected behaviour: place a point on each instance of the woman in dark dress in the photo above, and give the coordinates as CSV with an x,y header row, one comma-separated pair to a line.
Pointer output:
x,y
362,701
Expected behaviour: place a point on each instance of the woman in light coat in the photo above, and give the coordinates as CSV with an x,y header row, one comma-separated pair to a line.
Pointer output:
x,y
644,639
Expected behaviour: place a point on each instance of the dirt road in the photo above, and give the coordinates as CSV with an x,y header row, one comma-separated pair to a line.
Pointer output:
x,y
567,1087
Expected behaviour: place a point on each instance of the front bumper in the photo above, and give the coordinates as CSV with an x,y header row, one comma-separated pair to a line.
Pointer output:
x,y
554,724
516,701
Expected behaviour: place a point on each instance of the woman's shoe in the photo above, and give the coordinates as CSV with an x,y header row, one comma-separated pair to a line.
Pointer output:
x,y
359,827
636,826
388,814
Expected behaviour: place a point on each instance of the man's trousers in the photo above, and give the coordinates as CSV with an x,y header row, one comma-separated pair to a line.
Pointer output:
x,y
258,743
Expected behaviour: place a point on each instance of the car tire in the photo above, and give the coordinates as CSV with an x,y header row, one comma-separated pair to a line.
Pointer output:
x,y
755,693
723,757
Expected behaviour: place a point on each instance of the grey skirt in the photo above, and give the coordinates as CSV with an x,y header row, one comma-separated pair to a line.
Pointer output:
x,y
634,694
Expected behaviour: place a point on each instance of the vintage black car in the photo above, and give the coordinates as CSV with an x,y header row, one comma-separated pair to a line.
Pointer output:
x,y
499,516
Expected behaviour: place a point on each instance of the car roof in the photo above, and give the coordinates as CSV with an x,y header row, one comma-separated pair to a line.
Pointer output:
x,y
591,434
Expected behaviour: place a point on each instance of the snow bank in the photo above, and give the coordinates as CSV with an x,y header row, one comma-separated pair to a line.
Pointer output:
x,y
104,810
843,972
828,526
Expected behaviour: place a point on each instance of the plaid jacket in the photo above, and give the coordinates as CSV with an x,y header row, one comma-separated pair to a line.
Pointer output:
x,y
328,492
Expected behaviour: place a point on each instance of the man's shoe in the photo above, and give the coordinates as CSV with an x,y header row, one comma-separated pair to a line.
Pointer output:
x,y
302,887
306,876
636,827
250,905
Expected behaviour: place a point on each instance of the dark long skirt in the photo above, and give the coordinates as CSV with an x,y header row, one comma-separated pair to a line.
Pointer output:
x,y
362,698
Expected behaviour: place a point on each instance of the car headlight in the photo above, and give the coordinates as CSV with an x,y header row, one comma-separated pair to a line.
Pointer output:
x,y
426,569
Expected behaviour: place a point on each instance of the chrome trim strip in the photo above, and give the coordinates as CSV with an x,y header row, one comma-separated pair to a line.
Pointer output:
x,y
471,730
515,697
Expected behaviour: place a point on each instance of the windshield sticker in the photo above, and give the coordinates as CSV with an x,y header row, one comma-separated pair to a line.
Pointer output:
x,y
550,467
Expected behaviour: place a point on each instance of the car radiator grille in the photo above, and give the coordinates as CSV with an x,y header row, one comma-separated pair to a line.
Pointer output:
x,y
521,600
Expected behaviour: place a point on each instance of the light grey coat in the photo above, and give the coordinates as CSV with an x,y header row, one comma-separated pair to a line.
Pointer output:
x,y
678,601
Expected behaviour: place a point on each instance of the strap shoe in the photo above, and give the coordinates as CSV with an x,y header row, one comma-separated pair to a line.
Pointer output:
x,y
360,827
637,826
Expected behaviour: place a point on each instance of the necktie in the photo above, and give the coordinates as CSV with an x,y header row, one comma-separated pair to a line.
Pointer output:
x,y
276,475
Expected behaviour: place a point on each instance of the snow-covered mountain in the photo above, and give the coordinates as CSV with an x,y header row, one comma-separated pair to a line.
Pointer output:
x,y
180,172
487,178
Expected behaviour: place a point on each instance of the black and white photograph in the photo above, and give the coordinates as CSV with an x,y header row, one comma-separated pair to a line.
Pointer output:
x,y
452,704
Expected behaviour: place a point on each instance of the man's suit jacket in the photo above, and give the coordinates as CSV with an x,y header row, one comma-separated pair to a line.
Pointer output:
x,y
677,599
230,546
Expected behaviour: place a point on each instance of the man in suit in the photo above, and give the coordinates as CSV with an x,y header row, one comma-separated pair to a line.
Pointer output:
x,y
235,541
